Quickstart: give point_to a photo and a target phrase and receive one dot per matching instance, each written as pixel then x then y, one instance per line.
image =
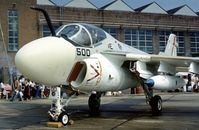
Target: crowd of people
pixel 24 89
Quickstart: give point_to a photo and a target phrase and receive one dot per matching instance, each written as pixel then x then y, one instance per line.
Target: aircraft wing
pixel 174 60
pixel 148 58
pixel 167 63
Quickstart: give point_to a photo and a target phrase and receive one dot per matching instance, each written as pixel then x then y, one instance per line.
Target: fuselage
pixel 50 60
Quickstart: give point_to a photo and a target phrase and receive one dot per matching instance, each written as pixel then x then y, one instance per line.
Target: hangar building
pixel 146 27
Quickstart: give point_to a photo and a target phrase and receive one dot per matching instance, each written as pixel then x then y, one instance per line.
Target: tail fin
pixel 171 47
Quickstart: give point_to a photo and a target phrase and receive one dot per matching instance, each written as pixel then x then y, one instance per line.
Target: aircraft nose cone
pixel 46 60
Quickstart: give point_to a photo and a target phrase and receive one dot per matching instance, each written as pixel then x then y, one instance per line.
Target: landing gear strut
pixel 154 101
pixel 94 103
pixel 57 111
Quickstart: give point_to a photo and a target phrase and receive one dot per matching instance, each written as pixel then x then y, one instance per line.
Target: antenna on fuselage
pixel 52 30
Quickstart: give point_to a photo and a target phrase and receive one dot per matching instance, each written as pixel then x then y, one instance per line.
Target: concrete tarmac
pixel 125 112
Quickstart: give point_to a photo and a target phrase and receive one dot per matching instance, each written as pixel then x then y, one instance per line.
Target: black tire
pixel 156 105
pixel 63 118
pixel 94 104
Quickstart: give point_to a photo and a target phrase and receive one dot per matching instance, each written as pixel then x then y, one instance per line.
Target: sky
pixel 165 4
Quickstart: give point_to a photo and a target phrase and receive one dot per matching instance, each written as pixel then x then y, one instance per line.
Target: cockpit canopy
pixel 84 35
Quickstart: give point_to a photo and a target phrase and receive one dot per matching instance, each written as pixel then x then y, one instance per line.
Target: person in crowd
pixel 26 89
pixel 32 89
pixel 16 92
pixel 1 89
pixel 188 82
pixel 196 80
pixel 42 88
pixel 27 95
pixel 46 91
pixel 38 91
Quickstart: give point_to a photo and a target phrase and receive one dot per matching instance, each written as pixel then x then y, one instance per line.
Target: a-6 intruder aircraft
pixel 86 58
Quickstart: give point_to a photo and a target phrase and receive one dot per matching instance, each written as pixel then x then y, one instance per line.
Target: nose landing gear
pixel 57 111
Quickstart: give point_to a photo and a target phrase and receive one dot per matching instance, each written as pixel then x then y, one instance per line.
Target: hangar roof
pixel 44 2
pixel 119 5
pixel 151 8
pixel 58 2
pixel 82 4
pixel 182 10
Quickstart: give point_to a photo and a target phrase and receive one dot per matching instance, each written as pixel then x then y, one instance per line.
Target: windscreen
pixel 96 33
pixel 77 34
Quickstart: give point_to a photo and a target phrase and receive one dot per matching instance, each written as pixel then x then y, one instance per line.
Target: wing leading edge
pixel 178 61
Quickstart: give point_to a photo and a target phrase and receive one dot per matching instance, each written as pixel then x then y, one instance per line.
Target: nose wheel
pixel 63 118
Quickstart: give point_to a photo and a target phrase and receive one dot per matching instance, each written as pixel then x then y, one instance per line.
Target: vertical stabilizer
pixel 171 47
